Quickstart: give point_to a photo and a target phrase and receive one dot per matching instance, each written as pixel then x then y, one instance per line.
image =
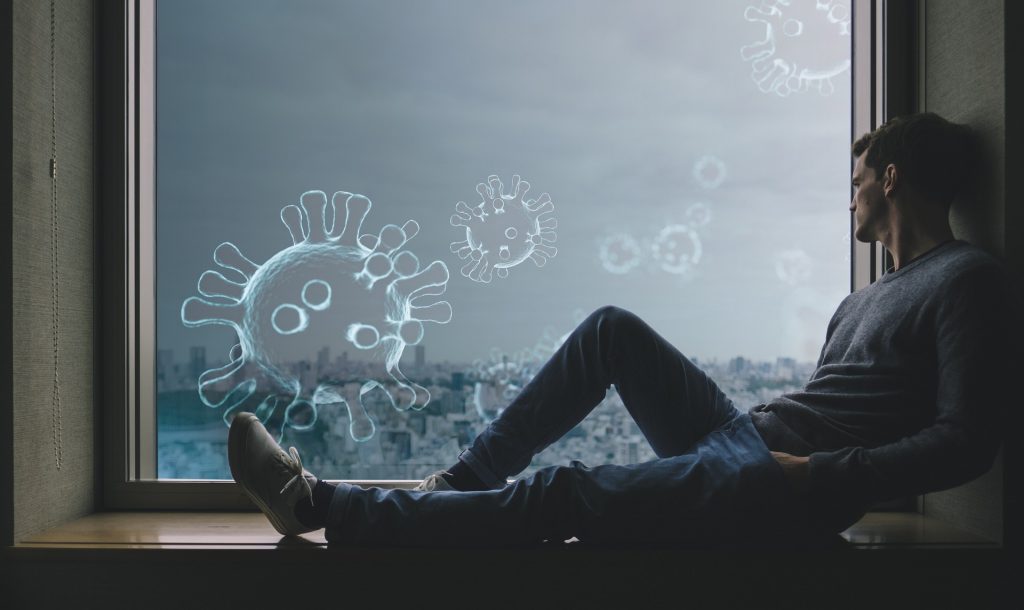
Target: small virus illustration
pixel 793 266
pixel 676 248
pixel 620 253
pixel 333 284
pixel 499 381
pixel 846 245
pixel 698 215
pixel 795 29
pixel 709 171
pixel 504 229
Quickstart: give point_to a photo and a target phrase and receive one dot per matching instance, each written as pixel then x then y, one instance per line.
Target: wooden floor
pixel 252 530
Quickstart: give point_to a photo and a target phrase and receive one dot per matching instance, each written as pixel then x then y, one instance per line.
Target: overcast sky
pixel 604 105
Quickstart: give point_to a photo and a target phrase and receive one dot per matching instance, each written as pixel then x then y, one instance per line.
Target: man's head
pixel 914 166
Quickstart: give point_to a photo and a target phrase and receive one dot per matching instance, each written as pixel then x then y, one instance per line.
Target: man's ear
pixel 889 179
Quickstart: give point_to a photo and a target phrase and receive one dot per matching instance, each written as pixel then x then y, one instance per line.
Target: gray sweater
pixel 911 387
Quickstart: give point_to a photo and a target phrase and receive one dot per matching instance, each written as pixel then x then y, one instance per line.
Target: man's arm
pixel 975 330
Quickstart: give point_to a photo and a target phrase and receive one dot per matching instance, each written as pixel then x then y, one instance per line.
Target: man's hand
pixel 797 470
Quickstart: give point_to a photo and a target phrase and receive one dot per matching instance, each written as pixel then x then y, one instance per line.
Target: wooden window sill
pixel 210 530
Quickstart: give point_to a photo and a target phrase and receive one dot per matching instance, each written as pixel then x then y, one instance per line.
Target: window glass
pixel 491 172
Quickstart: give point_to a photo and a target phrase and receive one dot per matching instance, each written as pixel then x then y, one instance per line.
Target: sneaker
pixel 435 482
pixel 275 480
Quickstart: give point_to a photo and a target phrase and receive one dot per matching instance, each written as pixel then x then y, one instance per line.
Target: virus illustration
pixel 333 284
pixel 498 380
pixel 795 29
pixel 504 229
pixel 793 266
pixel 709 171
pixel 698 214
pixel 677 248
pixel 620 253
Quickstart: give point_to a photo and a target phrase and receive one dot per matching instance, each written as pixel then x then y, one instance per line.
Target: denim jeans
pixel 714 482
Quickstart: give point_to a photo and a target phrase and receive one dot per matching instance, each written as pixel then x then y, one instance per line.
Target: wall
pixel 45 493
pixel 963 65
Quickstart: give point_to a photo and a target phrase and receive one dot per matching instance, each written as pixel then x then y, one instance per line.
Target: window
pixel 680 147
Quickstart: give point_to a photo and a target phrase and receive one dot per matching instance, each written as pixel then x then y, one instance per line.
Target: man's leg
pixel 672 401
pixel 727 490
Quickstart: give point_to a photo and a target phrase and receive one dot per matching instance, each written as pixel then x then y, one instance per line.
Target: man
pixel 907 398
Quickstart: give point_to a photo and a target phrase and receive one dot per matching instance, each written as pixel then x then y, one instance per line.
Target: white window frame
pixel 127 239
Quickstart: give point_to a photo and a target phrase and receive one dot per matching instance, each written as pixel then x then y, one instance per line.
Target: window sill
pixel 250 530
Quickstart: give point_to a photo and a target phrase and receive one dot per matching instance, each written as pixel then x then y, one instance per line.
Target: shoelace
pixel 295 466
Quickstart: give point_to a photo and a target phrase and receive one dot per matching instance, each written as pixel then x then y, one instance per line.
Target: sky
pixel 606 106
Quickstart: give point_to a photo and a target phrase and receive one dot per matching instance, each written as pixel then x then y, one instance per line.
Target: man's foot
pixel 275 480
pixel 435 482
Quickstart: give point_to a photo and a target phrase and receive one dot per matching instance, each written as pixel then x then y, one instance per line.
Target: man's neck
pixel 911 235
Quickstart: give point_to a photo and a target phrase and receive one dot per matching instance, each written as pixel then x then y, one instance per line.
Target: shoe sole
pixel 237 435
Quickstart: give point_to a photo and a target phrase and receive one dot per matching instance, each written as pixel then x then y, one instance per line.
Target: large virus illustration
pixel 794 30
pixel 504 229
pixel 334 284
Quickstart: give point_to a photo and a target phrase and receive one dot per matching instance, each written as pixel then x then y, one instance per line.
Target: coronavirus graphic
pixel 334 284
pixel 498 380
pixel 698 215
pixel 677 248
pixel 504 229
pixel 795 30
pixel 620 253
pixel 709 171
pixel 793 266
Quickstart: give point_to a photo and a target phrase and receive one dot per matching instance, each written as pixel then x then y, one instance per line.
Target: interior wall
pixel 962 72
pixel 54 448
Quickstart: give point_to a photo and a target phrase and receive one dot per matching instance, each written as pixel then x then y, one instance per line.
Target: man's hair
pixel 936 157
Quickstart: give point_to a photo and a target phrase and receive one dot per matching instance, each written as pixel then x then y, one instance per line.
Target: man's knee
pixel 617 318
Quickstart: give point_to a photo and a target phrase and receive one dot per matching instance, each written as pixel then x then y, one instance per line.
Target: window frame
pixel 881 87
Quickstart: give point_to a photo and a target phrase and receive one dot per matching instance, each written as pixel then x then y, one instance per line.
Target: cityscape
pixel 408 445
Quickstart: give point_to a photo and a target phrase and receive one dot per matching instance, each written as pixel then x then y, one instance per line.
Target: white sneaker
pixel 275 480
pixel 434 482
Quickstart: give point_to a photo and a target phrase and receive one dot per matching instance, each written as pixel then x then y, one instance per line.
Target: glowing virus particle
pixel 333 284
pixel 709 171
pixel 499 379
pixel 698 215
pixel 846 245
pixel 793 266
pixel 504 229
pixel 795 29
pixel 620 253
pixel 676 248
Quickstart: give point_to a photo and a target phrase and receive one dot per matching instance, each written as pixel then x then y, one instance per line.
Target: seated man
pixel 907 398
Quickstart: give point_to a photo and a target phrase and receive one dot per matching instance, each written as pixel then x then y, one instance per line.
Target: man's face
pixel 868 204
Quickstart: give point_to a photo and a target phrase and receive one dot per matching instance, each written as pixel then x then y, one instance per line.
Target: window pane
pixel 695 157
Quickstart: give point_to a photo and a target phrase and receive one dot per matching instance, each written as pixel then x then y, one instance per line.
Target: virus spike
pixel 462 214
pixel 300 415
pixel 411 395
pixel 314 203
pixel 291 216
pixel 227 256
pixel 213 284
pixel 356 209
pixel 406 264
pixel 390 239
pixel 440 312
pixel 462 248
pixel 549 223
pixel 228 385
pixel 538 258
pixel 199 312
pixel 361 427
pixel 547 251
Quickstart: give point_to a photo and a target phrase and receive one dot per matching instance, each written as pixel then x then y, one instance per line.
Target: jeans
pixel 714 482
